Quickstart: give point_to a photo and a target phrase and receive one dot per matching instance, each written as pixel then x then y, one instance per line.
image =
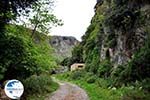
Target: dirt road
pixel 68 91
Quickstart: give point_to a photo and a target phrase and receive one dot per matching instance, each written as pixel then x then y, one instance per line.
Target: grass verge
pixel 39 87
pixel 96 92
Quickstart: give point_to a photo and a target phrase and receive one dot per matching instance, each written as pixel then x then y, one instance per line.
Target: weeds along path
pixel 68 91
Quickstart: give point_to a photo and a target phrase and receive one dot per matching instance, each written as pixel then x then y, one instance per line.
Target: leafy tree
pixel 14 59
pixel 65 62
pixel 41 18
pixel 77 54
pixel 12 50
pixel 9 9
pixel 21 56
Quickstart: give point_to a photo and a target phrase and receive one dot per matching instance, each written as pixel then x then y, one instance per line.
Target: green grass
pixel 54 86
pixel 39 87
pixel 96 92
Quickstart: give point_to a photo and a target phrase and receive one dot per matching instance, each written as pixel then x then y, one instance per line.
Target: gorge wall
pixel 124 29
pixel 118 30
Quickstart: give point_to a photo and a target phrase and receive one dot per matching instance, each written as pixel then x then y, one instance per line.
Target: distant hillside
pixel 63 45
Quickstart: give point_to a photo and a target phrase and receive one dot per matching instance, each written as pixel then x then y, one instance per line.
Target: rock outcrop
pixel 63 45
pixel 126 34
pixel 118 30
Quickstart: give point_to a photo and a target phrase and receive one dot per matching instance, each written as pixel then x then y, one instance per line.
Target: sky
pixel 76 16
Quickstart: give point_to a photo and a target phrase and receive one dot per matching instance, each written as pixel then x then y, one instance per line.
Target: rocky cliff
pixel 124 29
pixel 63 45
pixel 118 32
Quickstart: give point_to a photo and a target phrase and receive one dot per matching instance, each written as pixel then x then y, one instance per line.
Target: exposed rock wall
pixel 126 42
pixel 63 45
pixel 118 30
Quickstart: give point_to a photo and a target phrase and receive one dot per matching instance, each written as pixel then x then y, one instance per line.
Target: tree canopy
pixel 9 9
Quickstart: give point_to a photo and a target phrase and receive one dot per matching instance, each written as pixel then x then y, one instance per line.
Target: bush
pixel 92 59
pixel 104 83
pixel 66 75
pixel 21 56
pixel 91 79
pixel 104 69
pixel 88 74
pixel 137 69
pixel 77 74
pixel 14 59
pixel 135 95
pixel 39 84
pixel 140 66
pixel 146 84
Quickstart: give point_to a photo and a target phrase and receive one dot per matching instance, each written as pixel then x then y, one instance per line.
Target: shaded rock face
pixel 126 45
pixel 116 32
pixel 63 45
pixel 127 42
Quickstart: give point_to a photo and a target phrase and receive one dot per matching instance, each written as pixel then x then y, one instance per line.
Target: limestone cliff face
pixel 126 45
pixel 118 30
pixel 121 42
pixel 63 45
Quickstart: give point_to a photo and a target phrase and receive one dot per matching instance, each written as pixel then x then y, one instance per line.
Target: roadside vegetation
pixel 116 62
pixel 102 89
pixel 27 59
pixel 119 28
pixel 39 87
pixel 25 53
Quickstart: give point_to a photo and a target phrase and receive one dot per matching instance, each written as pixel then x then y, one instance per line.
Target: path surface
pixel 68 91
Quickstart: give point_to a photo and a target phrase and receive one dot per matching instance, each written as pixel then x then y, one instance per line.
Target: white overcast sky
pixel 76 15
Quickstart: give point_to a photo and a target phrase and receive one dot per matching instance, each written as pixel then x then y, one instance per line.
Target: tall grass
pixel 101 89
pixel 38 86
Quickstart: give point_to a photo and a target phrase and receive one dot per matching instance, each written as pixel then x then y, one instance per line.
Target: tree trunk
pixel 34 30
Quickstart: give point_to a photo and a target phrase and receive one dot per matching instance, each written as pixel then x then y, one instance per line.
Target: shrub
pixel 140 66
pixel 22 56
pixel 135 95
pixel 15 58
pixel 92 59
pixel 66 75
pixel 103 82
pixel 146 84
pixel 88 74
pixel 104 69
pixel 137 69
pixel 91 79
pixel 77 74
pixel 39 84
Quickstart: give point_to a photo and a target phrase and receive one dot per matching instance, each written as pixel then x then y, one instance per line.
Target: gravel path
pixel 68 91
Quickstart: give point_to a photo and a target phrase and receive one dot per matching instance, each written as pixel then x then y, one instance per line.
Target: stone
pixel 63 45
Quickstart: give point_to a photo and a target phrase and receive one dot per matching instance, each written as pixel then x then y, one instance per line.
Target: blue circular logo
pixel 14 89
